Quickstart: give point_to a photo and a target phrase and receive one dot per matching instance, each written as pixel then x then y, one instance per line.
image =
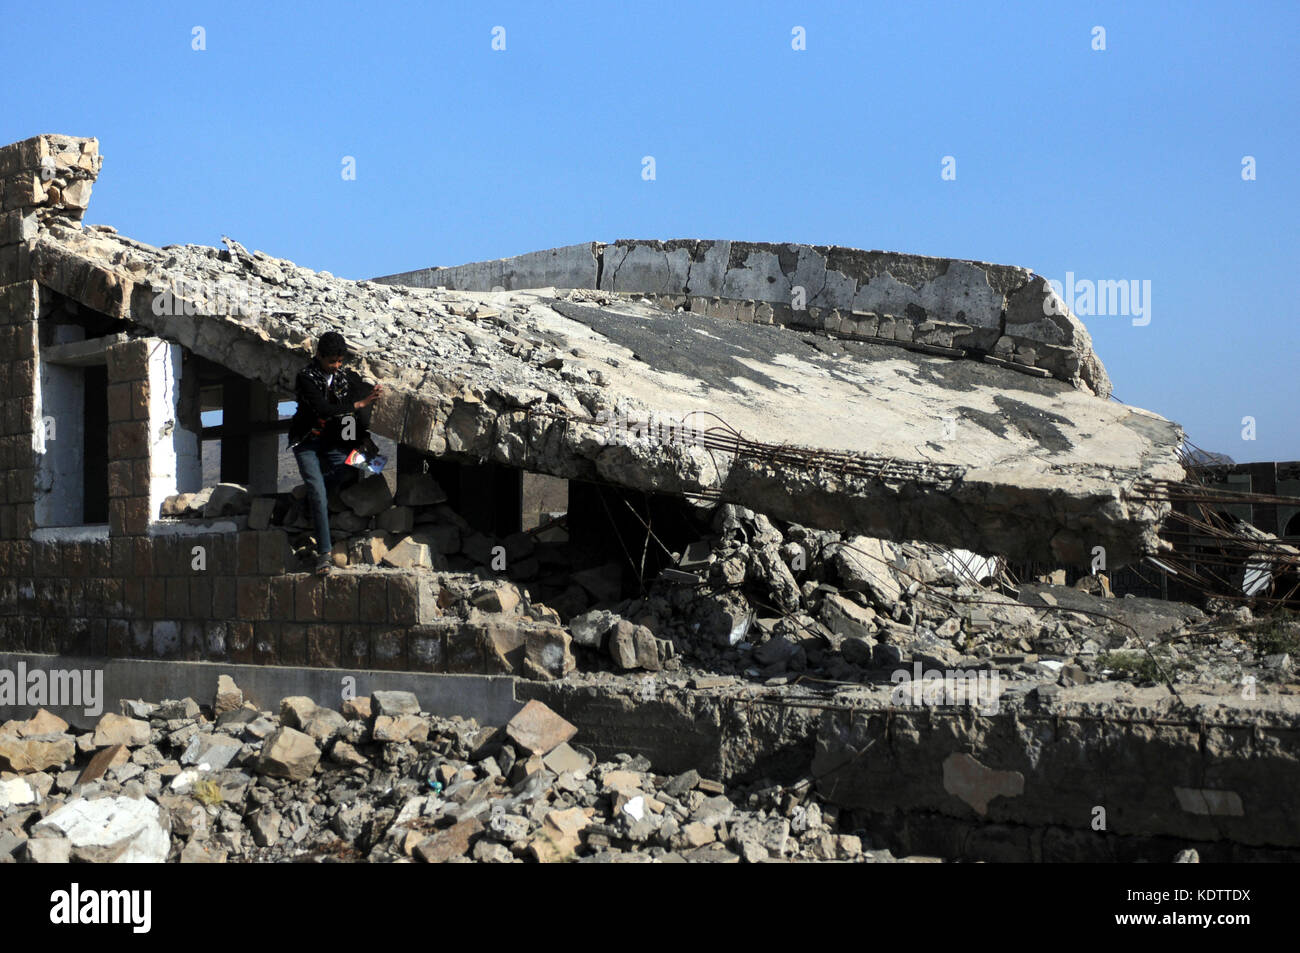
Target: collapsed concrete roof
pixel 959 409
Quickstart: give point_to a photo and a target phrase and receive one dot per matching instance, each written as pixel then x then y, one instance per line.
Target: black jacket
pixel 322 408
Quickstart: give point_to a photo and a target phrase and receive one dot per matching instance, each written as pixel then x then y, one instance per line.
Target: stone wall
pixel 145 589
pixel 999 313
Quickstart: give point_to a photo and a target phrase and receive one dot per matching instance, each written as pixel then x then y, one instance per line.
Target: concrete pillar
pixel 173 450
pixel 264 441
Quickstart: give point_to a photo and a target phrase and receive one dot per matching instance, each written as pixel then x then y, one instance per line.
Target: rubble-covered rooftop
pixel 844 430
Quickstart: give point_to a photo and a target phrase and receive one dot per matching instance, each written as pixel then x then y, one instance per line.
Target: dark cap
pixel 331 344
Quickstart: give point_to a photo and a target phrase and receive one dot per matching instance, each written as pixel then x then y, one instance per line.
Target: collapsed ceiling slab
pixel 853 434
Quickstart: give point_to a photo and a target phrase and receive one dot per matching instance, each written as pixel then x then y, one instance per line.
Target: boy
pixel 333 415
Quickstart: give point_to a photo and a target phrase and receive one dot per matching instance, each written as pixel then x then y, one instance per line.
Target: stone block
pixel 408 554
pixel 394 703
pixel 323 646
pixel 309 598
pixel 548 653
pixel 341 598
pixel 368 549
pixel 227 499
pixel 372 594
pixel 240 642
pixel 113 729
pixel 418 489
pixel 129 361
pixel 388 649
pixel 450 843
pixel 228 696
pixel 389 415
pixel 273 552
pixel 119 402
pixel 260 511
pixel 281 598
pixel 396 519
pixel 253 599
pixel 178 597
pixel 128 440
pixel 293 644
pixel 288 753
pixel 368 497
pixel 536 729
pixel 224 597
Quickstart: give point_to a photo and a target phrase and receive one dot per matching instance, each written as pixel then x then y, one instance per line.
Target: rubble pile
pixel 372 526
pixel 772 602
pixel 382 782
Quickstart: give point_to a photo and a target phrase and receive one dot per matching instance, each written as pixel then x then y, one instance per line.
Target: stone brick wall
pixel 144 597
pixel 143 591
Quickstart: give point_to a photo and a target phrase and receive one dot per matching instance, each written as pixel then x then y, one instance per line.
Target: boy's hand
pixel 370 398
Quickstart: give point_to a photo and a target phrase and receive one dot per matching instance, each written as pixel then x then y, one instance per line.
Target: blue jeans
pixel 322 469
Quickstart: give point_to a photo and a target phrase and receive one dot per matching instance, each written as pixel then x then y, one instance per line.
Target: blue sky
pixel 1117 164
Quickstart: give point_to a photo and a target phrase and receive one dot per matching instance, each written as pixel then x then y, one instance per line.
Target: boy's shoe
pixel 324 564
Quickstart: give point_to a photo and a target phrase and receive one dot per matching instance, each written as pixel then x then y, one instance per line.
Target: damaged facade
pixel 763 461
pixel 964 408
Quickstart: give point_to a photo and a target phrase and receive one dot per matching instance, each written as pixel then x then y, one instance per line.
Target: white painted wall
pixel 59 442
pixel 174 464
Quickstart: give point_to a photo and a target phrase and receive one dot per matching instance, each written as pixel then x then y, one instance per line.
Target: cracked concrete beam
pixel 1000 306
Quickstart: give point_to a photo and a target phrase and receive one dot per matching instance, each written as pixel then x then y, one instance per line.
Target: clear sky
pixel 1117 164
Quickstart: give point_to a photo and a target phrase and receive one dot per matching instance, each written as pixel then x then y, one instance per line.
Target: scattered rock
pixel 538 730
pixel 288 753
pixel 110 830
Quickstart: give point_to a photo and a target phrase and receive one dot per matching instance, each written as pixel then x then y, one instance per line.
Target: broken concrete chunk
pixel 863 565
pixel 846 618
pixel 564 758
pixel 228 696
pixel 538 730
pixel 394 703
pixel 103 761
pixel 120 730
pixel 49 850
pixel 408 554
pixel 388 728
pixel 368 497
pixel 42 723
pixel 17 792
pixel 216 751
pixel 119 830
pixel 418 489
pixel 622 645
pixel 227 499
pixel 591 628
pixel 560 835
pixel 288 753
pixel 398 519
pixel 455 841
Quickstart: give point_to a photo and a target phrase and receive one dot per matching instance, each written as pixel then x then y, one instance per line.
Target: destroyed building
pixel 766 460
